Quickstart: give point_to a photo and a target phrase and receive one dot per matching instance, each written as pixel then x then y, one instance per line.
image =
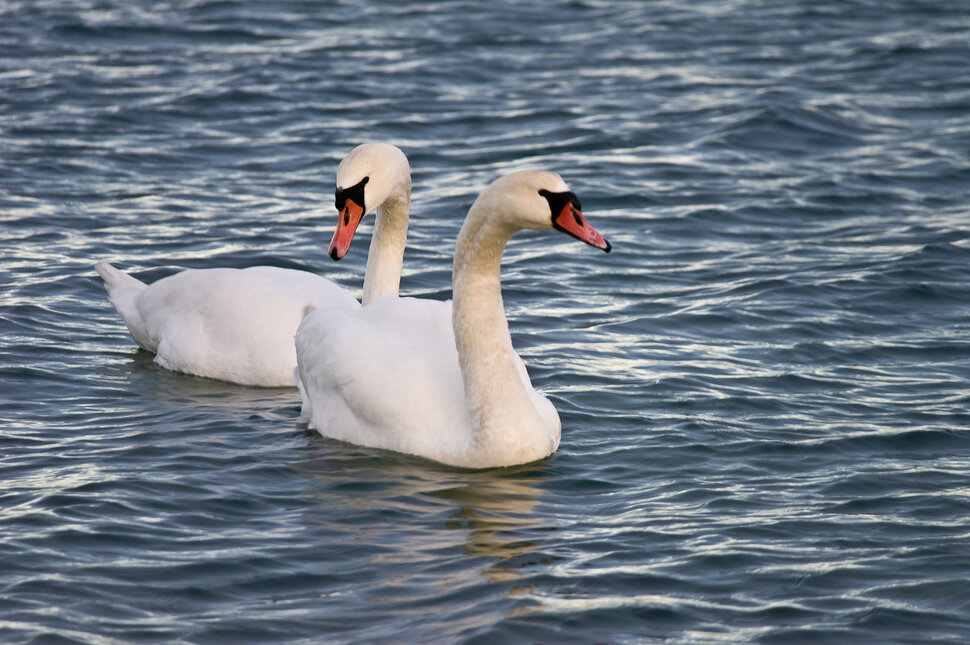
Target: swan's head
pixel 541 200
pixel 370 175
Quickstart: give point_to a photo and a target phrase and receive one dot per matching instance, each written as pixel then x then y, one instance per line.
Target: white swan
pixel 238 324
pixel 436 379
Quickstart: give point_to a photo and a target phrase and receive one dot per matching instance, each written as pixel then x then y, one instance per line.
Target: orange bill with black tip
pixel 350 203
pixel 350 217
pixel 567 216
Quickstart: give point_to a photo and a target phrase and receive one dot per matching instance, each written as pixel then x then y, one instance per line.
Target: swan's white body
pixel 229 324
pixel 412 397
pixel 437 379
pixel 238 325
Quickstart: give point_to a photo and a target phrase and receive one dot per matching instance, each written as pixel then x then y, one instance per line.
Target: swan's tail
pixel 123 289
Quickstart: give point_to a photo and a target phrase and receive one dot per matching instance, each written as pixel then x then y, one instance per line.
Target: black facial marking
pixel 559 201
pixel 355 194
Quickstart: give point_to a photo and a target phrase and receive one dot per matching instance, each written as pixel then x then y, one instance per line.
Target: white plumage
pixel 229 324
pixel 437 379
pixel 238 324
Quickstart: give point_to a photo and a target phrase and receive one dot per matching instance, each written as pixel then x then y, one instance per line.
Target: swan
pixel 436 379
pixel 238 325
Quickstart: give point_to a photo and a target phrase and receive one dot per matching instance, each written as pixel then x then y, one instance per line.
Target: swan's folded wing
pixel 234 325
pixel 385 376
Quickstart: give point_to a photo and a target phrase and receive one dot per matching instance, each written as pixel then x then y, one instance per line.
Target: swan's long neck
pixel 504 417
pixel 386 255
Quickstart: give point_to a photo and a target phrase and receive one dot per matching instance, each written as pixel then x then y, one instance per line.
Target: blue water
pixel 765 388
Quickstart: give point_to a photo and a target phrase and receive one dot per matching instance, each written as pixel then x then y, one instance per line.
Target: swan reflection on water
pixel 498 514
pixel 140 377
pixel 437 518
pixel 407 528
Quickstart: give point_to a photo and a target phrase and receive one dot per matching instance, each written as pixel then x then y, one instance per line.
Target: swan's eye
pixel 355 194
pixel 559 201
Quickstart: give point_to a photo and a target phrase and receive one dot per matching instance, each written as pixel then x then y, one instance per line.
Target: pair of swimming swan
pixel 435 379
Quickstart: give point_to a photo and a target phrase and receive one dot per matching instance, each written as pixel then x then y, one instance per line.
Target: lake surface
pixel 764 388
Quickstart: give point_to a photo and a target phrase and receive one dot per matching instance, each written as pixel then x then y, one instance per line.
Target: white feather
pixel 238 324
pixel 436 379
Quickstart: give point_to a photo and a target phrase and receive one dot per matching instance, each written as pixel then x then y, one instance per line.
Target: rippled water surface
pixel 765 388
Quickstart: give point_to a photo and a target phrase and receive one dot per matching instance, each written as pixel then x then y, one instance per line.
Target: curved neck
pixel 500 406
pixel 386 256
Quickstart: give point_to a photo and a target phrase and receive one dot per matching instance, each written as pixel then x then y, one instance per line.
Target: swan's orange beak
pixel 350 217
pixel 570 220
